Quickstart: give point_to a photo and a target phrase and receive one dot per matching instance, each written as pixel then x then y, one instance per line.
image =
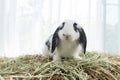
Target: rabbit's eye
pixel 63 34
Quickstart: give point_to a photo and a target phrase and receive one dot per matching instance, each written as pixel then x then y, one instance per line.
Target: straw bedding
pixel 92 66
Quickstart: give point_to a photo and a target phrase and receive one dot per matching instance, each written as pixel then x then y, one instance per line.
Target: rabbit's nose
pixel 66 36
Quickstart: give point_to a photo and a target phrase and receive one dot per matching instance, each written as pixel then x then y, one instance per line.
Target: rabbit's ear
pixel 55 39
pixel 82 39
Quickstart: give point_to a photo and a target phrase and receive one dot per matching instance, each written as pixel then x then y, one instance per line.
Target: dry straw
pixel 92 66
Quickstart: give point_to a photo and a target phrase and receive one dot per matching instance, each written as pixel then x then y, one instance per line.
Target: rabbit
pixel 68 40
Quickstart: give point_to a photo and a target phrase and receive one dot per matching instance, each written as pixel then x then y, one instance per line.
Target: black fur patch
pixel 75 27
pixel 55 39
pixel 63 23
pixel 83 39
pixel 48 44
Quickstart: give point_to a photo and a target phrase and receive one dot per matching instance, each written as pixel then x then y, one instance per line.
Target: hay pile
pixel 93 66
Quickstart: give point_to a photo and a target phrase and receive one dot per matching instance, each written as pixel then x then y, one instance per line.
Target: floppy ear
pixel 55 39
pixel 82 39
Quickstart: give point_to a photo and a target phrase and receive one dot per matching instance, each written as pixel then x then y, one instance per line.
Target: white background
pixel 26 24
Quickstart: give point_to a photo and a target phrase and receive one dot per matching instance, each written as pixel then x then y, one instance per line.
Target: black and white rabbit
pixel 67 41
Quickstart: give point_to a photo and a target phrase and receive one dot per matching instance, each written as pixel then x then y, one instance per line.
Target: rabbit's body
pixel 67 48
pixel 68 40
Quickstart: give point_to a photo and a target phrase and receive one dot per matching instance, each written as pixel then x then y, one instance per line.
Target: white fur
pixel 67 49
